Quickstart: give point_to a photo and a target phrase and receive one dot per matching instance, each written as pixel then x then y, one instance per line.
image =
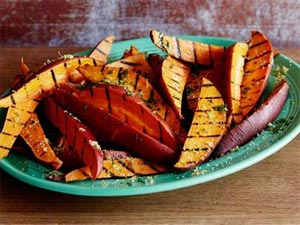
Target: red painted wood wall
pixel 84 22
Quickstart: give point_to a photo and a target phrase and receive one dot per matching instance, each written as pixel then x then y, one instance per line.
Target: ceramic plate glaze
pixel 254 151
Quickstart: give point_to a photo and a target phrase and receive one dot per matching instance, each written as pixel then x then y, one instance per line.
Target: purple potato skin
pixel 256 122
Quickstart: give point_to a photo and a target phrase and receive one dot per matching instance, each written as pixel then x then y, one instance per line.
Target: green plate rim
pixel 183 182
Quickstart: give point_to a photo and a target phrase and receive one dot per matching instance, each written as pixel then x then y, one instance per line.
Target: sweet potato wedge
pixel 137 62
pixel 122 167
pixel 43 84
pixel 257 68
pixel 174 76
pixel 234 67
pixel 34 136
pixel 16 118
pixel 102 49
pixel 256 122
pixel 189 51
pixel 77 135
pixel 139 85
pixel 129 109
pixel 207 128
pixel 109 129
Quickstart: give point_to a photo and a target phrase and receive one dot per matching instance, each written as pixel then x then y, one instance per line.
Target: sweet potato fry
pixel 207 129
pixel 257 69
pixel 102 49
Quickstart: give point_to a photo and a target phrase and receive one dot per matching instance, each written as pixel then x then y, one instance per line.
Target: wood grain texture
pixel 266 193
pixel 84 22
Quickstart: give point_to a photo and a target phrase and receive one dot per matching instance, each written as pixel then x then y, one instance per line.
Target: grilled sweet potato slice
pixel 45 82
pixel 256 122
pixel 137 62
pixel 77 135
pixel 120 166
pixel 139 85
pixel 33 134
pixel 102 49
pixel 110 129
pixel 207 128
pixel 257 68
pixel 129 109
pixel 234 66
pixel 189 51
pixel 174 76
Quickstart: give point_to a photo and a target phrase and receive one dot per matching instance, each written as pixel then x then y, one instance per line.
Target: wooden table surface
pixel 266 193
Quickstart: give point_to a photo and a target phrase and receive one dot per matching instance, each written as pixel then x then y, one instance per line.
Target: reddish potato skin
pixel 129 109
pixel 256 122
pixel 108 128
pixel 77 135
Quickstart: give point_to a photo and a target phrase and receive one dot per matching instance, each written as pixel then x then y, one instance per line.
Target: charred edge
pixel 120 164
pixel 9 134
pixel 120 72
pixel 258 56
pixel 108 98
pixel 235 99
pixel 208 148
pixel 210 97
pixel 130 63
pixel 171 87
pixel 166 113
pixel 125 166
pixel 12 99
pixel 94 62
pixel 175 97
pixel 100 51
pixel 65 65
pixel 175 81
pixel 204 136
pixel 16 122
pixel 195 53
pixel 258 44
pixel 4 147
pixel 207 85
pixel 160 40
pixel 110 174
pixel 209 123
pixel 53 78
pixel 79 61
pixel 178 48
pixel 260 67
pixel 259 80
pixel 107 41
pixel 137 78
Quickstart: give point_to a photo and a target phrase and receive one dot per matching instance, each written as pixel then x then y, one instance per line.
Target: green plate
pixel 254 151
